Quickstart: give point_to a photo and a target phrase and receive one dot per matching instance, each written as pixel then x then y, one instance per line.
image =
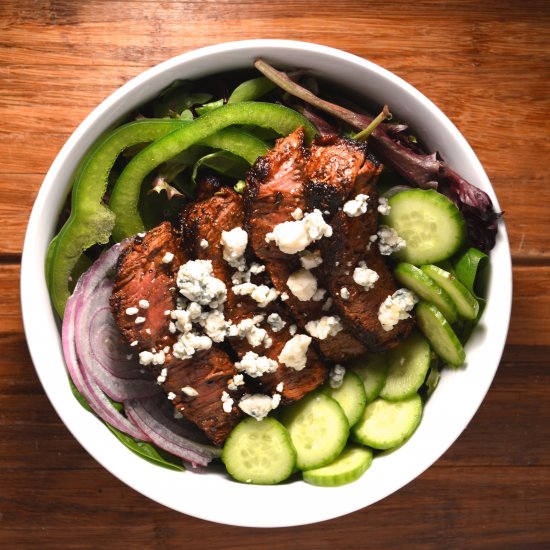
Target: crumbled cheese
pixel 328 304
pixel 227 402
pixel 356 206
pixel 324 327
pixel 235 382
pixel 134 343
pixel 189 391
pixel 383 207
pixel 292 329
pixel 298 214
pixel 234 245
pixel 395 308
pixel 254 335
pixel 140 320
pixel 258 405
pixel 279 387
pixel 204 244
pixel 344 292
pixel 256 365
pixel 167 311
pixel 311 259
pixel 276 322
pixel 293 354
pixel 149 358
pixel 215 326
pixel 262 294
pixel 302 284
pixel 132 311
pixel 171 396
pixel 167 258
pixel 295 236
pixel 364 276
pixel 390 241
pixel 319 294
pixel 196 283
pixel 162 376
pixel 285 296
pixel 188 343
pixel 143 304
pixel 336 376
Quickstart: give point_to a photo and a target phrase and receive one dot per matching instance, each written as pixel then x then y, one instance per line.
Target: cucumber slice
pixel 351 396
pixel 415 279
pixel 387 424
pixel 465 302
pixel 408 366
pixel 440 334
pixel 352 463
pixel 372 369
pixel 318 429
pixel 259 452
pixel 430 223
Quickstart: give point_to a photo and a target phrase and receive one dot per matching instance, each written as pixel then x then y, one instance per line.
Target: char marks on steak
pixel 276 186
pixel 143 275
pixel 206 219
pixel 350 244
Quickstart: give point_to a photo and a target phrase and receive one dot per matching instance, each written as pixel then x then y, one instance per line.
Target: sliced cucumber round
pixel 318 429
pixel 431 225
pixel 259 452
pixel 415 279
pixel 387 424
pixel 372 369
pixel 351 396
pixel 465 302
pixel 408 366
pixel 439 333
pixel 352 463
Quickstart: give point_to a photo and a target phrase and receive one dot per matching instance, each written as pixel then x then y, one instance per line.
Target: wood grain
pixel 485 64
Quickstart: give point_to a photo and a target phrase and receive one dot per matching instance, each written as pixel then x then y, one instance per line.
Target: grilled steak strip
pixel 275 188
pixel 350 245
pixel 143 275
pixel 205 220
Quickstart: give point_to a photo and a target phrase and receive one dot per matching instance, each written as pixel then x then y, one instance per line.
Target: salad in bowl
pixel 270 274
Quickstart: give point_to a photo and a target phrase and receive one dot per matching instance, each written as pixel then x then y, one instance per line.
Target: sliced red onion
pixel 167 435
pixel 97 400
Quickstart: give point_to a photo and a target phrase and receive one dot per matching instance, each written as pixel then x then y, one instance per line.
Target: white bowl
pixel 213 496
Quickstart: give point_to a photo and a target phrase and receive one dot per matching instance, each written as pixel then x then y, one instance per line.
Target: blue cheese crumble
pixel 357 206
pixel 256 365
pixel 396 308
pixel 389 241
pixel 259 405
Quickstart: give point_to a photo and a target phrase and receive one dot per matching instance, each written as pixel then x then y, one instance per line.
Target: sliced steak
pixel 350 244
pixel 145 272
pixel 205 221
pixel 275 189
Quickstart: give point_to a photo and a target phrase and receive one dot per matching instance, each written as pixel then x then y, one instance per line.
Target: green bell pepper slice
pixel 125 196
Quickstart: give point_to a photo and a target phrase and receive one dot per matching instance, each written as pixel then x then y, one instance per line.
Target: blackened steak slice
pixel 144 273
pixel 204 222
pixel 275 188
pixel 350 244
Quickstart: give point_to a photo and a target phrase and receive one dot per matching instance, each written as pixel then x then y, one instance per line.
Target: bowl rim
pixel 37 313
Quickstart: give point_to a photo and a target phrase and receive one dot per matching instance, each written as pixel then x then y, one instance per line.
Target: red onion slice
pixel 97 400
pixel 148 416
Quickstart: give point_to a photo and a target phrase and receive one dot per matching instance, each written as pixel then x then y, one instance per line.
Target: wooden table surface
pixel 484 62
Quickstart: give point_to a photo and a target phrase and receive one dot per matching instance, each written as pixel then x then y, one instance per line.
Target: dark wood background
pixel 485 63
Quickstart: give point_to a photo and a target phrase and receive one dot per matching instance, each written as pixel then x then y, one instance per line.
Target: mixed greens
pixel 143 172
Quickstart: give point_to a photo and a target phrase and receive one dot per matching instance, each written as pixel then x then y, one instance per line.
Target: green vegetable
pixel 251 90
pixel 372 369
pixel 91 222
pixel 429 222
pixel 125 196
pixel 351 396
pixel 352 463
pixel 408 365
pixel 439 333
pixel 386 424
pixel 259 452
pixel 222 162
pixel 318 429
